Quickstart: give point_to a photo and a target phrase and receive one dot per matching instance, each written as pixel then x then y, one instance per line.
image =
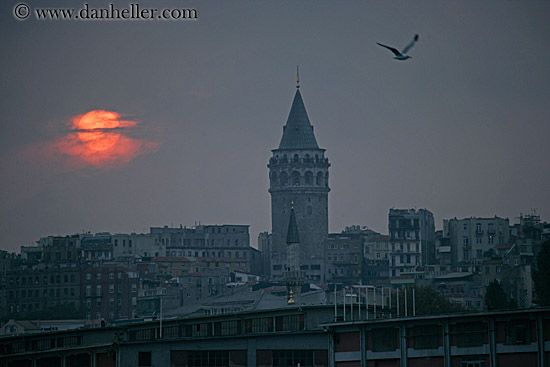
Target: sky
pixel 195 107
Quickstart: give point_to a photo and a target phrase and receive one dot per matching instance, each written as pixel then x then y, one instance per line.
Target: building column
pixel 403 344
pixel 251 352
pixel 331 355
pixel 540 340
pixel 492 342
pixel 363 345
pixel 446 344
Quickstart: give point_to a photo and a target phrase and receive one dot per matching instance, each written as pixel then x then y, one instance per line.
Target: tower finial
pixel 297 76
pixel 292 204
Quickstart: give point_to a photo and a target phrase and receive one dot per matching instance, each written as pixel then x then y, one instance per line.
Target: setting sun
pixel 100 139
pixel 94 129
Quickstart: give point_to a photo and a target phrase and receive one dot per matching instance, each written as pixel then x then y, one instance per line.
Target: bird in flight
pixel 403 54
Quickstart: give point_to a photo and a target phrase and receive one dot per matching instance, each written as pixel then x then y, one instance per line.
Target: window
pixel 470 334
pixel 98 290
pixel 384 339
pixel 518 332
pixel 426 336
pixel 208 358
pixel 293 358
pixel 144 359
pixel 296 178
pixel 88 290
pixel 289 323
pixel 111 288
pixel 472 361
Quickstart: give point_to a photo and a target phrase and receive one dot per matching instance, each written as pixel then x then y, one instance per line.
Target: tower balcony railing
pixel 306 162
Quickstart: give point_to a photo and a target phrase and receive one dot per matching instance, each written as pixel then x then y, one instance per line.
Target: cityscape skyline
pixel 466 136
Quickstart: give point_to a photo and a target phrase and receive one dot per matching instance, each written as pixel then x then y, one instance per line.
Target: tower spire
pixel 297 76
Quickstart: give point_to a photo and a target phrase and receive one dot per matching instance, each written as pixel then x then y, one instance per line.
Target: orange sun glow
pixel 94 129
pixel 99 139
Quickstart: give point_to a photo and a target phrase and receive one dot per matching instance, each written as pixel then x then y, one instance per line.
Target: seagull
pixel 401 55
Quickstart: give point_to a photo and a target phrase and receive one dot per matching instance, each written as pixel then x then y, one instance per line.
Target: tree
pixel 428 301
pixel 541 274
pixel 495 297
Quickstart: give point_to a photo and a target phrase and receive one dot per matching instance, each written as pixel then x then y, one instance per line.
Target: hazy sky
pixel 461 129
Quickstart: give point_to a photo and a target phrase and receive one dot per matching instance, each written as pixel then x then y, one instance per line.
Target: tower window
pixel 319 180
pixel 284 179
pixel 296 178
pixel 308 178
pixel 296 158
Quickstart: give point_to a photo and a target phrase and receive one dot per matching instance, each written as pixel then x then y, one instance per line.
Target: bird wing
pixel 395 51
pixel 410 45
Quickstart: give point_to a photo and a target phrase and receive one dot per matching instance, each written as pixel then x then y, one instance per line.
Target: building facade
pixel 472 238
pixel 298 174
pixel 42 289
pixel 344 258
pixel 109 292
pixel 412 239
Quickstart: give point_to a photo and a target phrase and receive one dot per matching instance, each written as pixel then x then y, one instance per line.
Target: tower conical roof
pixel 298 132
pixel 292 233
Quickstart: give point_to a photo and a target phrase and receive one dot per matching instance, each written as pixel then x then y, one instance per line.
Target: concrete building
pixel 140 244
pixel 344 258
pixel 376 246
pixel 503 339
pixel 298 172
pixel 472 238
pixel 210 241
pixel 307 336
pixel 265 245
pixel 42 289
pixel 60 249
pixel 412 239
pixel 96 248
pixel 109 292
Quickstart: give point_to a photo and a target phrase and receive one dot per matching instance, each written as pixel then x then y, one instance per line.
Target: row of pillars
pixel 381 300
